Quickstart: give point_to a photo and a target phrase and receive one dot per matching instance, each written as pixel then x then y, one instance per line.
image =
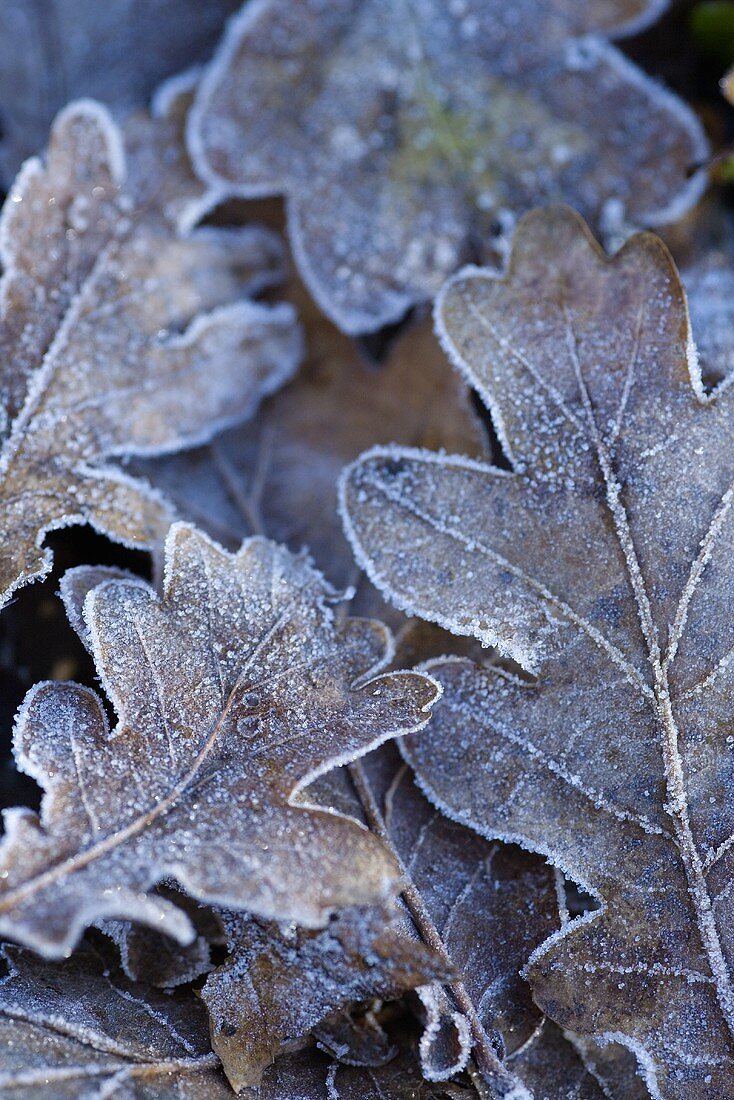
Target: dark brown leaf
pixel 279 985
pixel 233 690
pixel 153 957
pixel 553 1070
pixel 79 1028
pixel 603 564
pixel 484 905
pixel 311 1075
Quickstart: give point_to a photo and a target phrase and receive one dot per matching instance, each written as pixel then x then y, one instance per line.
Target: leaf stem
pixel 489 1070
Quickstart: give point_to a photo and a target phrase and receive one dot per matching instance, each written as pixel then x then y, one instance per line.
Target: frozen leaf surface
pixel 492 904
pixel 232 691
pixel 613 1066
pixel 709 287
pixel 118 336
pixel 118 52
pixel 78 1029
pixel 552 1069
pixel 602 563
pixel 405 135
pixel 280 984
pixel 277 474
pixel 483 905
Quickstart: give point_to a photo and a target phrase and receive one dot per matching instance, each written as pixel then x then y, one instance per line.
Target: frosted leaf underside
pixel 602 563
pixel 408 135
pixel 118 334
pixel 232 690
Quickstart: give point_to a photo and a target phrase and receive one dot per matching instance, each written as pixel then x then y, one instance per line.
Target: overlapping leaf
pixel 149 955
pixel 280 984
pixel 79 1029
pixel 232 690
pixel 277 474
pixel 602 562
pixel 484 906
pixel 405 134
pixel 117 335
pixel 311 1075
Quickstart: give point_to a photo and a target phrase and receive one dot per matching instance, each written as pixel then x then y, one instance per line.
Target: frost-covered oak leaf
pixel 408 136
pixel 118 336
pixel 280 983
pixel 601 562
pixel 79 1028
pixel 148 955
pixel 233 689
pixel 482 905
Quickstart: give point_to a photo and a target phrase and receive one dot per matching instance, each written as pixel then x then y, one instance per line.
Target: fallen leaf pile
pixel 366 531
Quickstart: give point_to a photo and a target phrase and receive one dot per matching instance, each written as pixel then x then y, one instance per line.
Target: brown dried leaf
pixel 405 135
pixel 79 1028
pixel 118 336
pixel 553 1070
pixel 614 1067
pixel 602 563
pixel 153 957
pixel 485 906
pixel 233 690
pixel 277 475
pixel 280 984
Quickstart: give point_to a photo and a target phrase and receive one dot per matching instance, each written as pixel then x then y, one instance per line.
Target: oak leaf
pixel 602 563
pixel 552 1070
pixel 312 1075
pixel 118 336
pixel 233 690
pixel 404 135
pixel 483 905
pixel 280 984
pixel 79 1028
pixel 148 955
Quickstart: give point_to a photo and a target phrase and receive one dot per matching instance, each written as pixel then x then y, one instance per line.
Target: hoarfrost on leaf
pixel 118 335
pixel 79 1028
pixel 311 1075
pixel 279 984
pixel 602 563
pixel 483 906
pixel 233 690
pixel 408 136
